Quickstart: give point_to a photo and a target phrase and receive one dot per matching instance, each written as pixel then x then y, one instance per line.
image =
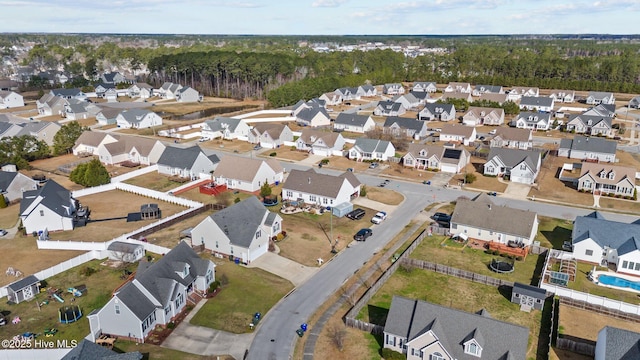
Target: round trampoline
pixel 270 202
pixel 501 266
pixel 69 314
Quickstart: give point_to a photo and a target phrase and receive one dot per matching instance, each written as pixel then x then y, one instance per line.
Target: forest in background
pixel 285 70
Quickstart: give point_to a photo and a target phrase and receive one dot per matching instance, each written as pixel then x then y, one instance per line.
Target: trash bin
pixel 303 326
pixel 237 260
pixel 300 332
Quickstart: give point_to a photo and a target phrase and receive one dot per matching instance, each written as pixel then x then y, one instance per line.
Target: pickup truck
pixel 379 217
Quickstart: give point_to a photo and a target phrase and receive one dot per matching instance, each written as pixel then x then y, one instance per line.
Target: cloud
pixel 328 3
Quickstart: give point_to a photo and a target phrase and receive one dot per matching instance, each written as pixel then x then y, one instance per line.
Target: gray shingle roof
pixel 536 101
pixel 22 283
pixel 244 168
pixel 616 235
pixel 513 157
pixel 66 92
pixel 309 113
pixel 183 158
pixel 602 110
pixel 593 144
pixel 241 221
pixel 438 108
pixel 599 95
pixel 371 145
pixel 6 178
pixel 389 105
pixel 533 117
pixel 220 123
pixel 411 318
pixel 87 350
pixel 488 88
pixel 621 344
pixel 351 119
pixel 136 301
pixel 404 123
pixel 135 115
pixel 482 213
pixel 529 290
pixel 595 119
pixel 311 182
pixel 54 197
pixel 124 247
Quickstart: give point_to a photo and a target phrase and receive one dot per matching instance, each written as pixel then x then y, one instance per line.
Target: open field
pixel 482 182
pixel 553 232
pixel 572 322
pixel 384 196
pixel 407 173
pixel 99 285
pixel 248 291
pixel 153 181
pixel 286 153
pixel 28 105
pixel 460 294
pixel 358 345
pixel 342 163
pixel 436 249
pixel 176 108
pixel 111 206
pixel 236 146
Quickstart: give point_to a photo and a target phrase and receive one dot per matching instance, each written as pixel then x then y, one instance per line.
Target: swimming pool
pixel 619 282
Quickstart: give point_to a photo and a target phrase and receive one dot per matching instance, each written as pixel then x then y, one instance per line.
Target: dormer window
pixel 472 348
pixel 589 122
pixel 603 174
pixel 185 272
pixel 436 356
pixel 612 175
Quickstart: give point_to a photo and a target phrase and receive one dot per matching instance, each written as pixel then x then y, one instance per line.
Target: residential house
pixel 187 94
pixel 536 103
pixel 528 297
pixel 389 108
pixel 393 89
pixel 617 344
pixel 399 126
pixel 191 163
pixel 607 110
pixel 436 157
pixel 112 78
pixel 563 96
pixel 367 90
pixel 140 90
pixel 437 111
pixel 521 166
pixel 225 128
pixel 634 103
pixel 125 252
pixel 371 150
pixel 496 98
pixel 270 135
pixel 156 296
pixel 247 174
pixel 590 124
pixel 73 93
pixel 102 88
pixel 458 87
pixel 11 119
pixel 478 90
pixel 315 103
pixel 422 97
pixel 353 123
pixel 320 189
pixel 50 207
pixel 108 116
pixel 480 219
pixel 408 101
pixel 427 331
pixel 168 90
pixel 477 116
pixel 50 104
pixel 10 99
pixel 348 93
pixel 125 148
pixel 88 142
pixel 533 121
pixel 457 96
pixel 13 184
pixel 517 92
pixel 331 98
pixel 241 231
pixel 607 243
pixel 597 98
pixel 424 86
pixel 512 138
pixel 77 110
pixel 86 349
pixel 313 117
pixel 24 289
pixel 41 130
pixel 9 85
pixel 607 179
pixel 138 119
pixel 458 133
pixel 321 143
pixel 588 149
pixel 9 129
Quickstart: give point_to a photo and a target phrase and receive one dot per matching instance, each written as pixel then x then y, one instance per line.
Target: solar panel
pixel 452 153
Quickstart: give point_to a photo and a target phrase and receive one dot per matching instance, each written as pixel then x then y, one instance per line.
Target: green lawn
pixel 553 232
pixel 248 291
pixel 158 353
pixel 583 284
pixel 153 181
pixel 455 293
pixel 478 261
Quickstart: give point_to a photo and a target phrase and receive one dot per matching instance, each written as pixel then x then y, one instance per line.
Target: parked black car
pixel 441 217
pixel 362 235
pixel 356 214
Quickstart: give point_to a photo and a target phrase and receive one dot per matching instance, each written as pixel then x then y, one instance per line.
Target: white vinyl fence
pixel 592 299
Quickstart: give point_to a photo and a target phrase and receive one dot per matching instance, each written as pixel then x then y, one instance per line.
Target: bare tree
pixel 338 334
pixel 401 143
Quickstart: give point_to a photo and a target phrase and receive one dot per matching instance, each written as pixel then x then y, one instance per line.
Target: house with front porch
pixel 602 110
pixel 533 121
pixel 107 116
pixel 270 135
pixel 331 98
pixel 353 123
pixel 408 101
pixel 606 179
pixel 437 111
pixel 409 127
pixel 313 117
pixel 459 87
pixel 247 174
pixel 458 133
pixel 563 96
pixel 367 90
pixel 605 242
pixel 598 97
pixel 138 119
pixel 389 108
pixel 10 99
pixel 50 207
pixel 140 90
pixel 393 89
pixel 590 125
pixel 320 189
pixel 592 149
pixel 436 158
pixel 512 138
pixel 191 163
pixel 481 219
pixel 226 128
pixel 521 166
pixel 517 92
pixel 348 93
pixel 321 143
pixel 73 93
pixel 49 104
pixel 156 295
pixel 241 231
pixel 424 331
pixel 371 150
pixel 127 148
pixel 425 86
pixel 478 90
pixel 536 103
pixel 478 116
pixel 168 90
pixel 13 184
pixel 102 88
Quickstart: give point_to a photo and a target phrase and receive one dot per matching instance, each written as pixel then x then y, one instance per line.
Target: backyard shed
pixel 127 252
pixel 343 209
pixel 23 289
pixel 529 297
pixel 150 211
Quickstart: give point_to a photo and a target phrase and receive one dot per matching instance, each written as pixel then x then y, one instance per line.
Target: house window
pixel 289 194
pixel 523 167
pixel 167 310
pixel 258 233
pixel 231 249
pixel 631 264
pixel 625 264
pixel 117 307
pixel 312 198
pixel 637 266
pixel 473 349
pixel 479 232
pixel 408 162
pixel 217 244
pixel 454 226
pixel 41 212
pixel 588 252
pixel 436 356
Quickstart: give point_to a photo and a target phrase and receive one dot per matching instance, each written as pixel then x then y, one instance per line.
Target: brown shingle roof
pixel 309 136
pixel 310 182
pixel 515 134
pixel 620 172
pixel 91 138
pixel 243 168
pixel 457 129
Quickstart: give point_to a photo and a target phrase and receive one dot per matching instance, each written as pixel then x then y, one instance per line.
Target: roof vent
pixel 309 180
pixel 489 206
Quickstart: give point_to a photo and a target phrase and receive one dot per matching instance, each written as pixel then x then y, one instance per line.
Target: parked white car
pixel 379 217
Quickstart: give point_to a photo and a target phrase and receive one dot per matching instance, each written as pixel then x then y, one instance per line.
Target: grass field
pixel 286 153
pixel 154 352
pixel 407 173
pixel 572 322
pixel 153 181
pixel 384 196
pixel 553 232
pixel 248 291
pixel 482 182
pixel 9 216
pixel 582 283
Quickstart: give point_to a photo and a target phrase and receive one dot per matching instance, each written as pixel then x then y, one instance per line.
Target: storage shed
pixel 529 297
pixel 150 211
pixel 127 252
pixel 23 289
pixel 343 209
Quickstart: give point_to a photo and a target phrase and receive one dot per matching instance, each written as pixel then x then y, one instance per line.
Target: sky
pixel 322 17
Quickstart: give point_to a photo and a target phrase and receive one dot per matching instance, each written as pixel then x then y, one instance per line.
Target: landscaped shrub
pixel 469 178
pixel 87 271
pixel 389 354
pixel 273 154
pixel 581 190
pixel 171 325
pixel 214 285
pixel 324 161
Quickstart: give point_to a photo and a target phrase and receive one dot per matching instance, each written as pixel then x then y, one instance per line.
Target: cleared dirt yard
pixel 572 322
pixel 384 196
pixel 227 145
pixel 285 153
pixel 407 173
pixel 112 205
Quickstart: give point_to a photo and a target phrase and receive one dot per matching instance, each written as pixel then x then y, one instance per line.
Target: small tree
pixel 265 190
pixel 363 190
pixel 3 202
pixel 469 178
pixel 92 173
pixel 65 138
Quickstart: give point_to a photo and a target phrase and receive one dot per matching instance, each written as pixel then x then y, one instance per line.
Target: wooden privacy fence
pixel 576 345
pixel 462 274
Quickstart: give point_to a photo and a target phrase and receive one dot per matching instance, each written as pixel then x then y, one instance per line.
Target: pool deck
pixel 595 275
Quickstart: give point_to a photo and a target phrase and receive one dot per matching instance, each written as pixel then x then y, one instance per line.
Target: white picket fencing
pixel 592 299
pixel 132 174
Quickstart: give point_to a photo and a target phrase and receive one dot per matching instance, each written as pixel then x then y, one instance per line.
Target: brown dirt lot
pixel 286 153
pixel 153 181
pixel 234 146
pixel 108 205
pixel 170 237
pixel 384 196
pixel 177 108
pixel 407 173
pixel 572 322
pixel 342 163
pixel 9 216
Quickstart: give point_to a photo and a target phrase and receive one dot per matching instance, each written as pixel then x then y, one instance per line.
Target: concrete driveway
pixel 312 160
pixel 283 267
pixel 517 191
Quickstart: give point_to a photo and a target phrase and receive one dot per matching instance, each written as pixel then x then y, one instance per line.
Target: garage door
pixel 256 253
pixel 520 179
pixel 449 168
